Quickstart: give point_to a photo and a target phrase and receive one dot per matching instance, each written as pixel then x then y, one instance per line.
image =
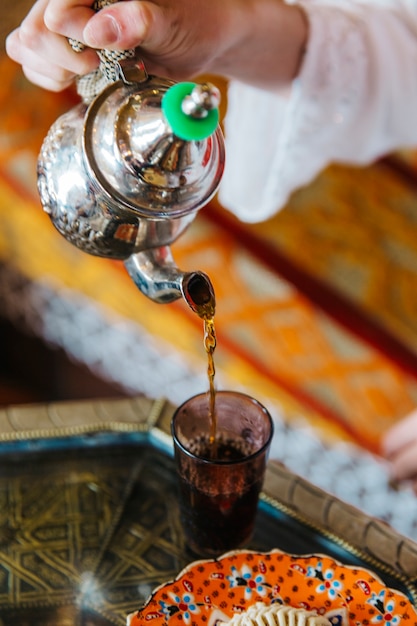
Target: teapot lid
pixel 192 110
pixel 155 146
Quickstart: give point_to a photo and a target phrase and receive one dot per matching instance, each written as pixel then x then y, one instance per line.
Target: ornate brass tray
pixel 89 521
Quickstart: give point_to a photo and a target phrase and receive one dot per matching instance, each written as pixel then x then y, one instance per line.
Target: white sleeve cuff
pixel 354 100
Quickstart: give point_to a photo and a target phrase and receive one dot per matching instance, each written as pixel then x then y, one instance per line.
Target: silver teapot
pixel 124 175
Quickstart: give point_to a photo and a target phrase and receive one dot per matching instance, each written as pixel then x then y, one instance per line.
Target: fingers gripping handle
pixel 191 110
pixel 90 85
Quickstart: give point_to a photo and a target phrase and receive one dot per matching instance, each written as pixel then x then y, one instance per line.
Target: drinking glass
pixel 220 477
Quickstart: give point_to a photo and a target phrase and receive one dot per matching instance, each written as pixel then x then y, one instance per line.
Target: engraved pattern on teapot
pixel 119 181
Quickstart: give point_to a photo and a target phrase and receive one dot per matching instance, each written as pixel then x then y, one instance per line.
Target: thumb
pixel 125 25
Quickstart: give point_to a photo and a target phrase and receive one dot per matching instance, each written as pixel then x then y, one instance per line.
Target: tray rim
pixel 33 426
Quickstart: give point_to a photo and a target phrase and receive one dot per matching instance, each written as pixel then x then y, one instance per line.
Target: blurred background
pixel 316 308
pixel 30 370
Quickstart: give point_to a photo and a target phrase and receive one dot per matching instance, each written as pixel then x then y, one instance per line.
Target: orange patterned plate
pixel 206 592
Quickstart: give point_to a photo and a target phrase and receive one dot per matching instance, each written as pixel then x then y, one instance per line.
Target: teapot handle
pixel 90 85
pixel 191 110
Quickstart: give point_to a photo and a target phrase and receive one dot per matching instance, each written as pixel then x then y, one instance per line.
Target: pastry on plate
pixel 260 614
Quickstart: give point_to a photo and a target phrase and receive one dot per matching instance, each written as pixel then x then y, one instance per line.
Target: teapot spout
pixel 156 275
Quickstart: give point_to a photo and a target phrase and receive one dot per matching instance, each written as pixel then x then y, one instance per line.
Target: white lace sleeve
pixel 354 100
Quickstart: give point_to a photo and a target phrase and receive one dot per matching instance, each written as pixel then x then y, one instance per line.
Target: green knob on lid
pixel 191 110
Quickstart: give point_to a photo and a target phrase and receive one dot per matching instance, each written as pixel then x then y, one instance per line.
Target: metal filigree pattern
pixel 88 530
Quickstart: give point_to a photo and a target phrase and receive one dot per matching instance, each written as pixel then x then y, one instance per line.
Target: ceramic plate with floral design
pixel 210 591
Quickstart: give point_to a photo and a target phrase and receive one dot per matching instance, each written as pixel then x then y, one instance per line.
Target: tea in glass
pixel 220 477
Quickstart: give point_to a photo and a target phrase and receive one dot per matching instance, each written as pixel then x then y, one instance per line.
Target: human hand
pixel 258 41
pixel 46 57
pixel 399 446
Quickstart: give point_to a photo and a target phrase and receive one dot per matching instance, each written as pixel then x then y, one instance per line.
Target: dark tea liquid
pixel 202 300
pixel 216 520
pixel 210 346
pixel 218 501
